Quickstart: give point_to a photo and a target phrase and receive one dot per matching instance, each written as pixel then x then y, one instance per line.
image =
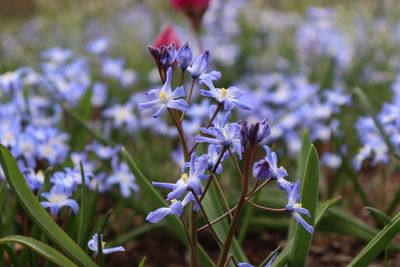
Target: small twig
pixel 218 219
pixel 236 164
pixel 188 235
pixel 221 192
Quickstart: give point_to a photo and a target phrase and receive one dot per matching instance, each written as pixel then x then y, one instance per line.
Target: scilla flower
pixel 94 246
pixel 57 198
pixel 267 168
pixel 187 181
pixel 175 208
pixel 184 56
pixel 294 206
pixel 226 137
pixel 165 98
pixel 228 97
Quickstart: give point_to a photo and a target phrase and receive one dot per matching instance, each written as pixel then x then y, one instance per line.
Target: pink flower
pixel 167 36
pixel 189 4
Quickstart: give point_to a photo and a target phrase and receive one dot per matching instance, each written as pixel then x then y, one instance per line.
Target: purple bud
pixel 254 134
pixel 200 65
pixel 155 53
pixel 168 55
pixel 185 56
pixel 262 170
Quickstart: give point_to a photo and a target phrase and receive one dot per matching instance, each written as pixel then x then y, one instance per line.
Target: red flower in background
pixel 184 4
pixel 167 37
pixel 193 9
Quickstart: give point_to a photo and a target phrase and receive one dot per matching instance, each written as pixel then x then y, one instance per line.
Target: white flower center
pixel 58 198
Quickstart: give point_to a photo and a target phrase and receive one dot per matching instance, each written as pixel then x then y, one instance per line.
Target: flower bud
pixel 167 37
pixel 185 56
pixel 168 55
pixel 262 170
pixel 193 9
pixel 200 65
pixel 254 134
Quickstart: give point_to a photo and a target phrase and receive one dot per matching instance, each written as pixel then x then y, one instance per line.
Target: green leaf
pixel 309 192
pixel 83 214
pixel 272 254
pixel 141 264
pixel 40 248
pixel 214 209
pixel 130 235
pixel 11 255
pixel 342 222
pixel 100 256
pixel 302 158
pixel 324 207
pixel 39 215
pixel 377 244
pixel 379 216
pixel 283 257
pixel 172 221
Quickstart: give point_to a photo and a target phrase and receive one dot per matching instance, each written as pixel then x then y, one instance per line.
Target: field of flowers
pixel 200 133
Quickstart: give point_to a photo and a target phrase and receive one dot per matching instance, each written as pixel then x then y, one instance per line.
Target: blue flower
pixel 267 168
pixel 98 46
pixel 200 65
pixel 227 97
pixel 168 55
pixel 124 178
pixel 294 206
pixel 103 152
pixel 187 181
pixel 185 56
pixel 226 137
pixel 57 198
pixel 176 208
pixel 94 246
pixel 165 98
pixel 212 157
pixel 35 179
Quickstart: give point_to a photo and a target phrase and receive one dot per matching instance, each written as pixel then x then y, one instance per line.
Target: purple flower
pixel 123 177
pixel 227 137
pixel 175 208
pixel 187 181
pixel 254 134
pixel 168 55
pixel 185 56
pixel 165 98
pixel 200 65
pixel 94 245
pixel 294 206
pixel 57 198
pixel 267 168
pixel 227 97
pixel 35 179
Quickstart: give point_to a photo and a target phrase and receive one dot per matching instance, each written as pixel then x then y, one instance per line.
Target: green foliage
pixel 377 244
pixel 39 215
pixel 309 191
pixel 40 248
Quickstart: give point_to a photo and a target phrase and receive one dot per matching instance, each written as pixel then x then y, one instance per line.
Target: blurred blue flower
pixel 199 65
pixel 57 198
pixel 123 177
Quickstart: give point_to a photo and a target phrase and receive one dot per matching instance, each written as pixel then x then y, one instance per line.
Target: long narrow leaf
pixel 83 214
pixel 377 244
pixel 309 191
pixel 36 212
pixel 172 221
pixel 324 207
pixel 41 248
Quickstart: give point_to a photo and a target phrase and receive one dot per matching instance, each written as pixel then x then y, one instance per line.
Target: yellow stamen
pixel 185 178
pixel 163 97
pixel 297 205
pixel 223 92
pixel 174 201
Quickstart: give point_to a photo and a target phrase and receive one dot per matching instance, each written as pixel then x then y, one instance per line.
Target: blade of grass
pixel 172 221
pixel 309 192
pixel 269 257
pixel 142 262
pixel 100 256
pixel 37 213
pixel 380 216
pixel 138 231
pixel 40 248
pixel 83 214
pixel 324 207
pixel 300 172
pixel 342 222
pixel 377 244
pixel 11 255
